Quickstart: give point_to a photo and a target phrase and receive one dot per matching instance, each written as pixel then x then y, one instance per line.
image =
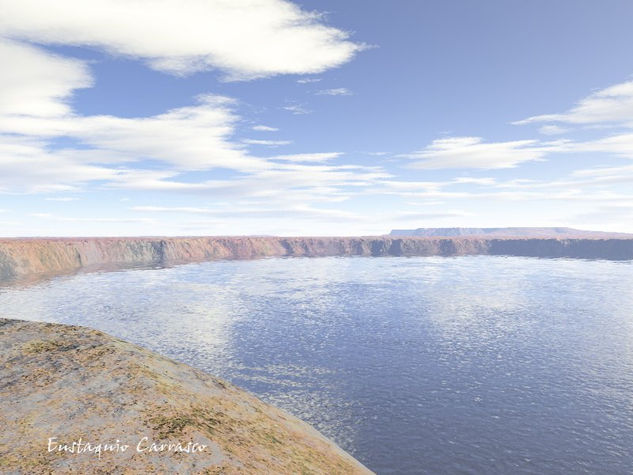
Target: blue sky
pixel 321 117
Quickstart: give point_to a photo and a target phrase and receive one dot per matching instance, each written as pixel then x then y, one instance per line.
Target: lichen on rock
pixel 73 397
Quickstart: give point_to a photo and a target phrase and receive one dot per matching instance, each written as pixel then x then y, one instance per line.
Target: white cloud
pixel 620 145
pixel 296 109
pixel 607 107
pixel 308 80
pixel 422 215
pixel 613 105
pixel 268 143
pixel 197 137
pixel 283 183
pixel 339 91
pixel 246 39
pixel 174 209
pixel 472 152
pixel 308 157
pixel 265 128
pixel 73 219
pixel 601 177
pixel 160 152
pixel 36 83
pixel 27 165
pixel 601 217
pixel 462 180
pixel 601 172
pixel 297 211
pixel 552 130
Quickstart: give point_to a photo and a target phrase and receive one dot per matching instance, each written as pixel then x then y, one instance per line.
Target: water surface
pixel 474 364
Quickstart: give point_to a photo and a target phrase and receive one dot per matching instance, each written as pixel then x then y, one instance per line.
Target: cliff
pixel 62 384
pixel 523 232
pixel 36 258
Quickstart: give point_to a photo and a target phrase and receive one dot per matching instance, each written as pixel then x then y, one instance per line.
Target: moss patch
pixel 44 346
pixel 204 420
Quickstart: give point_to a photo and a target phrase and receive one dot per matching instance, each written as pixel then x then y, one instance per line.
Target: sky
pixel 315 117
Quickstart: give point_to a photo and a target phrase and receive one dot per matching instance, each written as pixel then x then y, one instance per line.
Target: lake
pixel 473 364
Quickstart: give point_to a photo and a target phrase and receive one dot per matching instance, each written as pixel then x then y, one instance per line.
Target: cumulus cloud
pixel 245 38
pixel 473 152
pixel 612 106
pixel 34 111
pixel 164 152
pixel 48 147
pixel 113 151
pixel 196 137
pixel 36 83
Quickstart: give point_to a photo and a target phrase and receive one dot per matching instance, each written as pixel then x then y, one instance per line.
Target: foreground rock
pixel 62 384
pixel 26 259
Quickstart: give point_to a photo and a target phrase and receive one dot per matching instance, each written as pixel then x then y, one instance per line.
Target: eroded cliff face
pixel 29 258
pixel 612 249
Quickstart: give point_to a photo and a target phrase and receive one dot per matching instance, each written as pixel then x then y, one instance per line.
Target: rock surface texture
pixel 40 258
pixel 73 384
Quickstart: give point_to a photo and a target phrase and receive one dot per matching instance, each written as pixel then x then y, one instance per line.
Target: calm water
pixel 414 365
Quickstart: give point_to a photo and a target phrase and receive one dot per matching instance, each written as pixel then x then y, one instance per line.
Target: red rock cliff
pixel 25 258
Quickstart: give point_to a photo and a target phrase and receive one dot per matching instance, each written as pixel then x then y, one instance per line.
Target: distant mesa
pixel 524 232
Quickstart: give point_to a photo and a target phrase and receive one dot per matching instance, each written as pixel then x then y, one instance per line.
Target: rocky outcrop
pixel 75 400
pixel 36 258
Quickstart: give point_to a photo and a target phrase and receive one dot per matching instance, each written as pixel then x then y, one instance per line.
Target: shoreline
pixel 24 259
